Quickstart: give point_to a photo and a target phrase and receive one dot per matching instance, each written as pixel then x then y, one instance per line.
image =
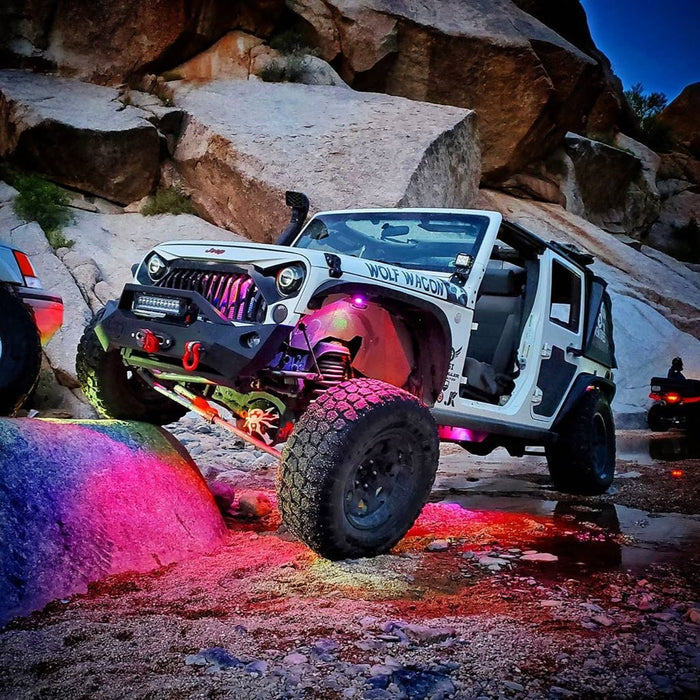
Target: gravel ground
pixel 502 589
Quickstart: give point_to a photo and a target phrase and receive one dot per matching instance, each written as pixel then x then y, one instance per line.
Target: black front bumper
pixel 229 351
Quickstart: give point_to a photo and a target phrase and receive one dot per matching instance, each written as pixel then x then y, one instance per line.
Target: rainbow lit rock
pixel 82 500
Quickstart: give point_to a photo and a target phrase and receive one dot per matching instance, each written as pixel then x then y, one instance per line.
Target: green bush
pixel 41 201
pixel 169 200
pixel 288 69
pixel 654 132
pixel 57 240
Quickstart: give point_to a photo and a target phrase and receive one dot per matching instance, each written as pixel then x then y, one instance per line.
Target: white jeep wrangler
pixel 360 340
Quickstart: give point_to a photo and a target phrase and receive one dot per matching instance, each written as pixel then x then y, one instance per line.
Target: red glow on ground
pixel 677 473
pixel 452 522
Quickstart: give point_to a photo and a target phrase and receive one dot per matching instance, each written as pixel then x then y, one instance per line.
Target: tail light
pixel 27 270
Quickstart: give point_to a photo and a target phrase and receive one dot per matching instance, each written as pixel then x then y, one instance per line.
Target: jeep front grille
pixel 234 295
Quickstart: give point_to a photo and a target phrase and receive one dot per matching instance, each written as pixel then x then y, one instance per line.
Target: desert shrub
pixel 170 75
pixel 57 240
pixel 288 69
pixel 41 201
pixel 169 200
pixel 654 133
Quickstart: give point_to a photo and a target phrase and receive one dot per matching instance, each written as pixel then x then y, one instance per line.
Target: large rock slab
pixel 78 134
pixel 245 143
pixel 677 230
pixel 80 501
pixel 613 187
pixel 528 84
pixel 656 299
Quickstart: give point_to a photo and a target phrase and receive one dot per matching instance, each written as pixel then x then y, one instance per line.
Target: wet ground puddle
pixel 584 535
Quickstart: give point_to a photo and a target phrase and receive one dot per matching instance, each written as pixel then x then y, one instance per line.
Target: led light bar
pixel 152 305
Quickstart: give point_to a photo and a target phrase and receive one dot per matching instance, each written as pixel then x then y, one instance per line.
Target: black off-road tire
pixel 113 389
pixel 20 352
pixel 358 469
pixel 655 421
pixel 582 461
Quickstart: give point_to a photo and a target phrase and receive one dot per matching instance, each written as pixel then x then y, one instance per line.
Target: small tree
pixel 655 133
pixel 645 106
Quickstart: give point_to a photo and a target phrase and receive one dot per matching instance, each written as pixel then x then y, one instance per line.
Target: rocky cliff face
pixel 532 72
pixel 528 84
pixel 682 116
pixel 110 41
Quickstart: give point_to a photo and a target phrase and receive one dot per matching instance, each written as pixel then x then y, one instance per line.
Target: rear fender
pixel 583 383
pixel 385 349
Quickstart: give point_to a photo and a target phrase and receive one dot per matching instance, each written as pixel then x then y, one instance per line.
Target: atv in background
pixel 676 404
pixel 359 341
pixel 29 317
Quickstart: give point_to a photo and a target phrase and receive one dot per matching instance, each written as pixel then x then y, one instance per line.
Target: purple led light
pixel 359 302
pixel 455 434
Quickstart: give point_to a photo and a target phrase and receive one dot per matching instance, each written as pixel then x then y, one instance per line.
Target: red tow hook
pixel 190 358
pixel 148 341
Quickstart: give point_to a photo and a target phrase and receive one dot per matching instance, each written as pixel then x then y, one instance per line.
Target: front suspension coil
pixel 335 368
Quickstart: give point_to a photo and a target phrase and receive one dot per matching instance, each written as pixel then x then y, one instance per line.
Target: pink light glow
pixel 359 302
pixel 455 434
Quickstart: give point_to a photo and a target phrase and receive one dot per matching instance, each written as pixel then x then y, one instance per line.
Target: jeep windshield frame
pixel 421 240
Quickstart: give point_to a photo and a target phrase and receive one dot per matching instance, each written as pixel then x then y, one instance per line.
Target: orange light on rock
pixel 677 473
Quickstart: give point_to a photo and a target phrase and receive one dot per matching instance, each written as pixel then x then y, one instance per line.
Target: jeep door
pixel 562 334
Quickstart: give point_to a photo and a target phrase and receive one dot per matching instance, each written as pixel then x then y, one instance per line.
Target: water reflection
pixel 645 447
pixel 588 535
pixel 674 446
pixel 594 541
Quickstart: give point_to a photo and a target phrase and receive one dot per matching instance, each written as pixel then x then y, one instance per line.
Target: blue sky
pixel 653 42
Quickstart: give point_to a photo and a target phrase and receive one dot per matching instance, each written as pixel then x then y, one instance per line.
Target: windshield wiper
pixel 395 264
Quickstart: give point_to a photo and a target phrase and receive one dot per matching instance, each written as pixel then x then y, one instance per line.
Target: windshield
pixel 417 240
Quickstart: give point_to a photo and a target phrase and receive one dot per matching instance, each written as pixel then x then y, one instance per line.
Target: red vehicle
pixel 29 316
pixel 676 404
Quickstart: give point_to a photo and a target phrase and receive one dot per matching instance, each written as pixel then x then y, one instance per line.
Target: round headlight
pixel 289 279
pixel 156 267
